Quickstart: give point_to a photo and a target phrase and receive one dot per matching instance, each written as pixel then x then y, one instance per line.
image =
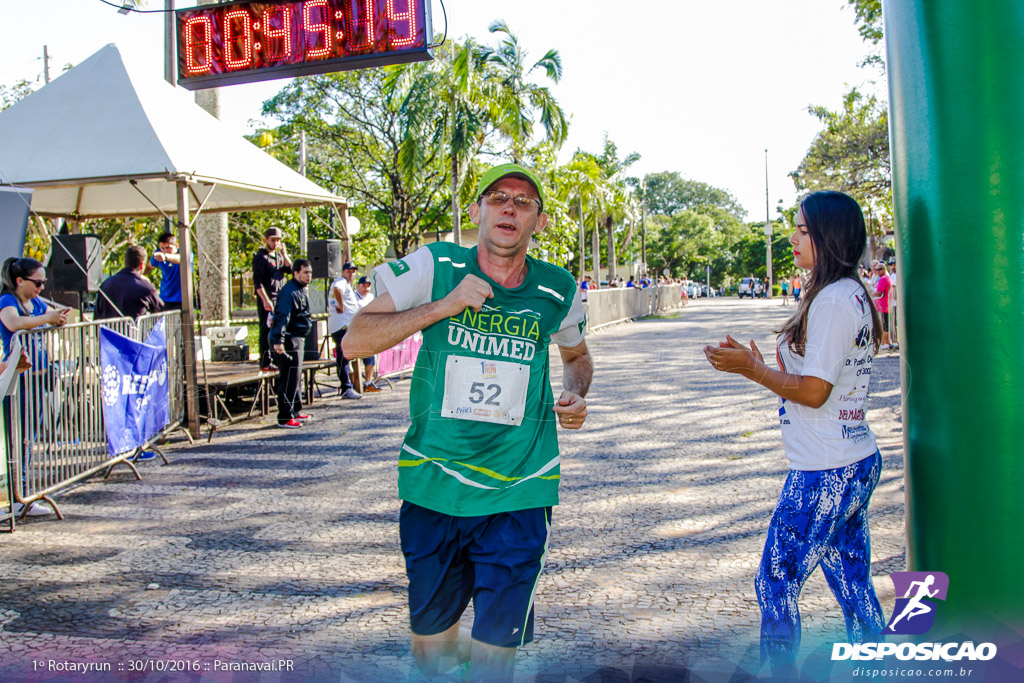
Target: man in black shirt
pixel 127 292
pixel 270 265
pixel 289 328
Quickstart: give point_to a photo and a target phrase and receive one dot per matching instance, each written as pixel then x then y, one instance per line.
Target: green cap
pixel 504 171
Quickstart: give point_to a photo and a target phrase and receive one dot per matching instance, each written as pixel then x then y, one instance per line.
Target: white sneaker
pixel 351 393
pixel 883 347
pixel 34 510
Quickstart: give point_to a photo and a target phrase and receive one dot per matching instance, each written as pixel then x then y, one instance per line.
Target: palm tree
pixel 617 193
pixel 467 118
pixel 514 99
pixel 580 182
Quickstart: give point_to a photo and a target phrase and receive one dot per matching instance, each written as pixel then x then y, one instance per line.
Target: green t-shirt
pixel 483 437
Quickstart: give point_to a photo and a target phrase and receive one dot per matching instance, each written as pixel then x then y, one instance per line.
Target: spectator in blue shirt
pixel 21 308
pixel 168 260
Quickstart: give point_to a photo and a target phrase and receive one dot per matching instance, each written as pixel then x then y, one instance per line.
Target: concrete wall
pixel 606 306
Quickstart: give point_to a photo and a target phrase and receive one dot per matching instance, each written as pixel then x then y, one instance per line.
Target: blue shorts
pixel 495 560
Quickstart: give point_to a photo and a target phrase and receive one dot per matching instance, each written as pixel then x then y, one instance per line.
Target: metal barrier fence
pixel 614 305
pixel 175 361
pixel 55 417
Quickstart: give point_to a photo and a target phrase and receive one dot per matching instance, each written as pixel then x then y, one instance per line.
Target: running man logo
pixel 914 613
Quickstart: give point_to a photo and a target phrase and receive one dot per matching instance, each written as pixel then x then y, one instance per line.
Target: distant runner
pixel 479 468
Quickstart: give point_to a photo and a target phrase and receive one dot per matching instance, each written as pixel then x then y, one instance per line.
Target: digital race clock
pixel 242 42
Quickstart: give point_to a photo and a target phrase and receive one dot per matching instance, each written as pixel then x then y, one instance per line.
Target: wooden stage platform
pixel 219 378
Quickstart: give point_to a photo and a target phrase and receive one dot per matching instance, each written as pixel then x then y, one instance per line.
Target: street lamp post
pixel 767 230
pixel 169 41
pixel 643 228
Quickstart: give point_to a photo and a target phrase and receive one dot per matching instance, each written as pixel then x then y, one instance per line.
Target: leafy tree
pixel 682 243
pixel 367 246
pixel 750 253
pixel 558 240
pixel 869 25
pixel 667 193
pixel 869 19
pixel 693 225
pixel 377 137
pixel 851 154
pixel 16 92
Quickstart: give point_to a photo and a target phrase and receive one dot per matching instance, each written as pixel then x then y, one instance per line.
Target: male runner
pixel 479 468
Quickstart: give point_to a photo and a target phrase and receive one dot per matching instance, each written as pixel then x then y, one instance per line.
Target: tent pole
pixel 187 312
pixel 346 244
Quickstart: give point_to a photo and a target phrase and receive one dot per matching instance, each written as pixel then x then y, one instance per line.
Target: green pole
pixel 956 84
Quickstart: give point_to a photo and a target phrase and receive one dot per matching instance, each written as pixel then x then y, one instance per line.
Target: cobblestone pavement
pixel 269 544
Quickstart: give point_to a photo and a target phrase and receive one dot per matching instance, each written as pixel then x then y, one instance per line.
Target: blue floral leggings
pixel 821 518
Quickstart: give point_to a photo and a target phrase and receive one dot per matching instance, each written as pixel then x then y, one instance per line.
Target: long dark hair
pixel 14 268
pixel 836 228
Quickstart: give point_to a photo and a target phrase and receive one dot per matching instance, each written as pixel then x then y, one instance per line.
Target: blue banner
pixel 134 387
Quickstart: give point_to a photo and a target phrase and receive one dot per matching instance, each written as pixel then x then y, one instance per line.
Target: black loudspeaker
pixel 325 257
pixel 76 262
pixel 235 353
pixel 312 350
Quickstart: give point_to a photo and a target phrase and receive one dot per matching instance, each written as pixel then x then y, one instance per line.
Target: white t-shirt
pixel 363 301
pixel 840 351
pixel 336 320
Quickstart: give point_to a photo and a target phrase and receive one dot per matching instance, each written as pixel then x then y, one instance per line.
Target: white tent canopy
pixel 101 142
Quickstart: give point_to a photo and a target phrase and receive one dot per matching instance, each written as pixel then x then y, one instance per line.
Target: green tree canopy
pixel 375 136
pixel 682 243
pixel 851 154
pixel 668 193
pixel 750 252
pixel 869 24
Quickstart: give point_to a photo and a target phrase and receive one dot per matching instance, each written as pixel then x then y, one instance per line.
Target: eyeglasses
pixel 498 198
pixel 37 283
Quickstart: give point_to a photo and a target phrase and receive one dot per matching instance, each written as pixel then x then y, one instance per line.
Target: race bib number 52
pixel 485 390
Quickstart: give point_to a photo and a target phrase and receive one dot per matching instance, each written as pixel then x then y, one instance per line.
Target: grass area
pixel 252 337
pixel 667 316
